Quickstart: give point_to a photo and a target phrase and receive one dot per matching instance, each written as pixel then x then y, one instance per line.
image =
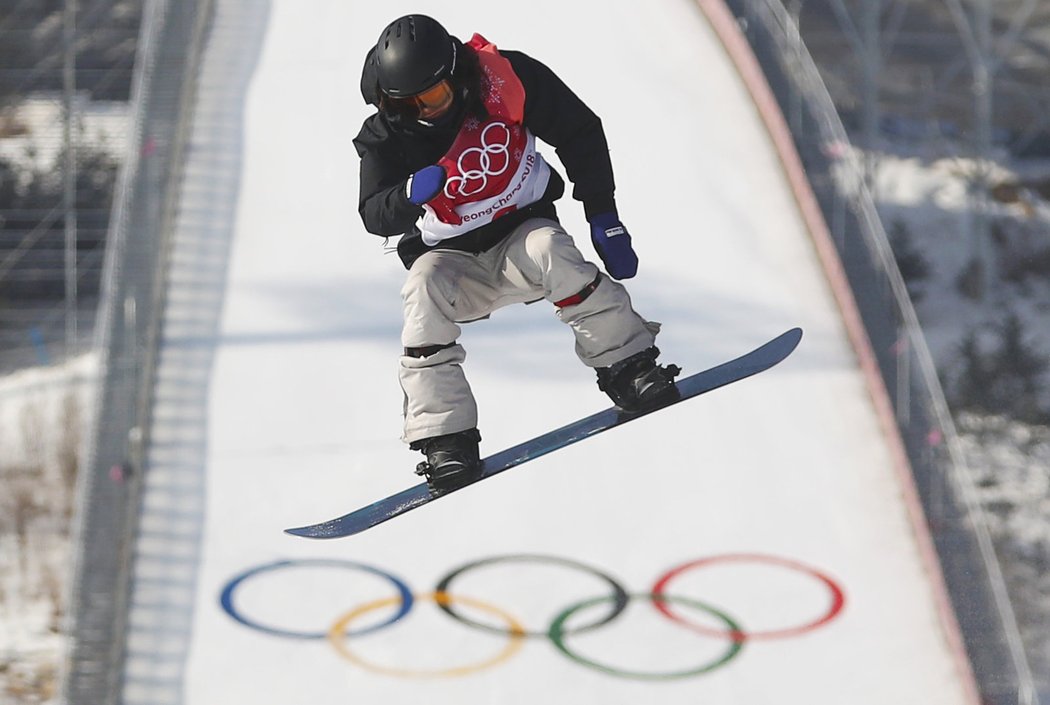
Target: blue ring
pixel 226 598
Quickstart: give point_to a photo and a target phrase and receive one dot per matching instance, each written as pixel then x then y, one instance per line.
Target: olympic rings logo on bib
pixel 476 164
pixel 719 635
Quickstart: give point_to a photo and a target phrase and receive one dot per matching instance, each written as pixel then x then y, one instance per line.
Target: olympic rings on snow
pixel 338 634
pixel 837 602
pixel 558 632
pixel 618 596
pixel 226 598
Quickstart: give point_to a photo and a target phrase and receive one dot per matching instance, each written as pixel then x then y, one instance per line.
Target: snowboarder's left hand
pixel 613 243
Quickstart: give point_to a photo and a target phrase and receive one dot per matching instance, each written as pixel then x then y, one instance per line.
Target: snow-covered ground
pixel 1011 463
pixel 930 208
pixel 31 132
pixel 43 413
pixel 932 202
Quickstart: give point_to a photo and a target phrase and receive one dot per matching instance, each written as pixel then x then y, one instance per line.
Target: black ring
pixel 619 597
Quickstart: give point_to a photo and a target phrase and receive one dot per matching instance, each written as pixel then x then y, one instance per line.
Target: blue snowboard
pixel 752 363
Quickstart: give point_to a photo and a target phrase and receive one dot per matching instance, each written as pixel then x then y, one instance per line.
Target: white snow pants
pixel 447 287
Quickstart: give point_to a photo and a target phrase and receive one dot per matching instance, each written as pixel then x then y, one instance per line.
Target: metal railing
pixel 132 290
pixel 65 69
pixel 956 520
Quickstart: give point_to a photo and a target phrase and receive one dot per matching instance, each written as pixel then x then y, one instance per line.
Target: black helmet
pixel 413 53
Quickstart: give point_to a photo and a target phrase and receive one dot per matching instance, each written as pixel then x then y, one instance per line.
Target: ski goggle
pixel 432 102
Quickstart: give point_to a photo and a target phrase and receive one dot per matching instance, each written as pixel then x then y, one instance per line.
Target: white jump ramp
pixel 767 515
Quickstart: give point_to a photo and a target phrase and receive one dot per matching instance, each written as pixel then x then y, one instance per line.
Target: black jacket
pixel 391 153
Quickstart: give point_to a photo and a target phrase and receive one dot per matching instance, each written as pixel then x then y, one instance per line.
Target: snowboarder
pixel 449 162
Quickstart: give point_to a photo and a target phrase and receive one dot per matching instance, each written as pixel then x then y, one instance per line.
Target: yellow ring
pixel 337 636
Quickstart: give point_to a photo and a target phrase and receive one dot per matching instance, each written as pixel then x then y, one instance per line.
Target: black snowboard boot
pixel 452 460
pixel 638 383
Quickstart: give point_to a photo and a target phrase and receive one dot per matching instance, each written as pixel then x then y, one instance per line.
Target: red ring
pixel 838 597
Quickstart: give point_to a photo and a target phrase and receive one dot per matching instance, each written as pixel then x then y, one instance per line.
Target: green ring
pixel 557 635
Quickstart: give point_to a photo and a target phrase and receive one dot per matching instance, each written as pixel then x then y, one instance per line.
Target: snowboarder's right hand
pixel 425 184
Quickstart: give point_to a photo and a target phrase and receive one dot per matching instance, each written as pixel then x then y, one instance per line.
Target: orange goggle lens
pixel 430 103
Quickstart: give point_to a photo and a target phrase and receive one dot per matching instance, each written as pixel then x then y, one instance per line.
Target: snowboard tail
pixel 758 360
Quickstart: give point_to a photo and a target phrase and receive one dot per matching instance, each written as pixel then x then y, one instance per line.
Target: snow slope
pixel 278 405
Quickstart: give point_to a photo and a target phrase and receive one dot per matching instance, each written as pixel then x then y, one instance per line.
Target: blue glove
pixel 613 243
pixel 425 184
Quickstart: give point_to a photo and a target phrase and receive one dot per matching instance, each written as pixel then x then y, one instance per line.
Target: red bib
pixel 492 166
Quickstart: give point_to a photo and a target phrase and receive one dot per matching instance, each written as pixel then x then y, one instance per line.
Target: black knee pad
pixel 427 350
